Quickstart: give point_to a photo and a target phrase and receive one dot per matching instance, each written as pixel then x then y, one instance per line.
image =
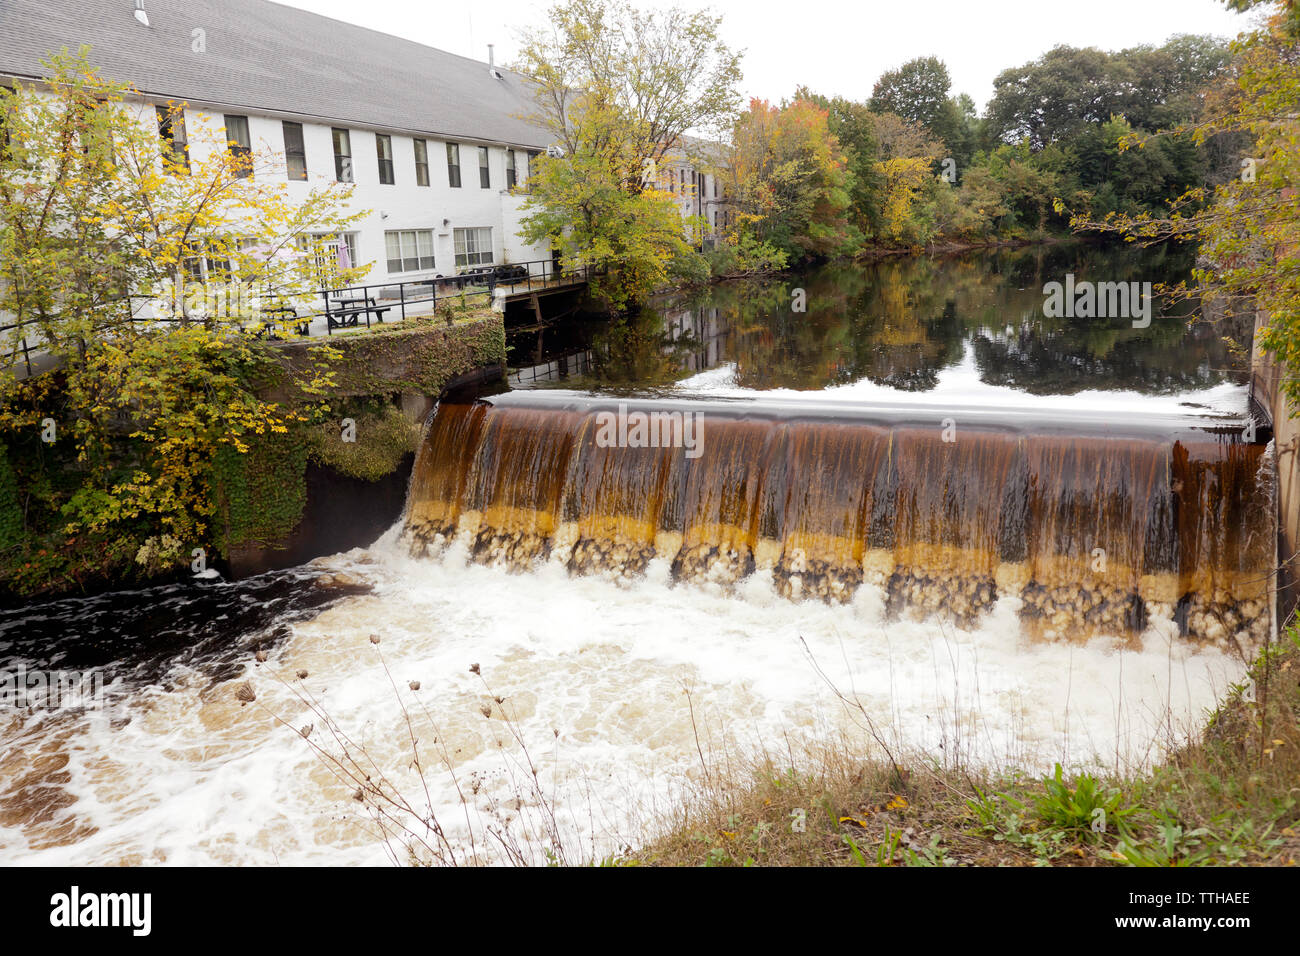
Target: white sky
pixel 833 46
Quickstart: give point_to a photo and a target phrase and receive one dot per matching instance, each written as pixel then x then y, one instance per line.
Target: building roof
pixel 265 57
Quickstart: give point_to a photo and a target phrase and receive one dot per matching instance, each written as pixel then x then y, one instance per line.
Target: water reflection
pixel 899 323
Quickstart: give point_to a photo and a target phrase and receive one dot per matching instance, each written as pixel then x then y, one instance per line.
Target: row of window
pixel 171 127
pixel 407 250
pixel 411 250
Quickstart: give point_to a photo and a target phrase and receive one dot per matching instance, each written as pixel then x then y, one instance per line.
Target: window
pixel 421 162
pixel 453 165
pixel 409 250
pixel 327 253
pixel 384 148
pixel 295 153
pixel 176 146
pixel 715 187
pixel 240 145
pixel 342 155
pixel 473 247
pixel 484 176
pixel 209 262
pixel 511 176
pixel 5 94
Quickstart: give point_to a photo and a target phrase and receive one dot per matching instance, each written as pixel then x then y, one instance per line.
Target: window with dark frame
pixel 473 247
pixel 240 144
pixel 342 155
pixel 484 174
pixel 176 145
pixel 384 150
pixel 453 165
pixel 421 162
pixel 295 152
pixel 511 172
pixel 408 250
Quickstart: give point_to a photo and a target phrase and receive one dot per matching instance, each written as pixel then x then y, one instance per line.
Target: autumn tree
pixel 619 89
pixel 789 180
pixel 96 224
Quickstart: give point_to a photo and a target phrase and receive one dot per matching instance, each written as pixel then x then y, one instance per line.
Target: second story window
pixel 511 174
pixel 176 145
pixel 240 145
pixel 295 152
pixel 342 155
pixel 453 165
pixel 421 162
pixel 384 149
pixel 484 176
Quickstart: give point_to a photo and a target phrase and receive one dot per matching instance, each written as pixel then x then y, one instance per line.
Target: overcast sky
pixel 834 46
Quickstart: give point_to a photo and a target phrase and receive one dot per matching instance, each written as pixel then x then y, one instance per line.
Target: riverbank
pixel 358 430
pixel 1226 798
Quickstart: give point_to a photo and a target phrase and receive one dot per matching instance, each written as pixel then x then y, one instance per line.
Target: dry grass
pixel 1232 797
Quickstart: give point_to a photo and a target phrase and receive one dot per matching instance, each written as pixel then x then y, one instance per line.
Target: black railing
pixel 346 306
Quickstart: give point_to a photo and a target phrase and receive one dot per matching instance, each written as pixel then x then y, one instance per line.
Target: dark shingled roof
pixel 263 56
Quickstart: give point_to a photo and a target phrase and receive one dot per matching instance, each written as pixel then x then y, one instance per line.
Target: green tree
pixel 916 91
pixel 1248 228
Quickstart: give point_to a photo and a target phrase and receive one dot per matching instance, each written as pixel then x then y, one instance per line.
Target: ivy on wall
pixel 11 510
pixel 260 495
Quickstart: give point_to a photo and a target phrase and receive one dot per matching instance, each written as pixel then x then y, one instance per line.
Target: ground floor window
pixel 473 247
pixel 409 250
pixel 327 253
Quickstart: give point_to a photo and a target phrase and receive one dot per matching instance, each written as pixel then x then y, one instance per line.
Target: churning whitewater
pixel 619 692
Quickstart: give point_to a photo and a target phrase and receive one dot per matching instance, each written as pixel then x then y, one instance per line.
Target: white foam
pixel 960 385
pixel 194 778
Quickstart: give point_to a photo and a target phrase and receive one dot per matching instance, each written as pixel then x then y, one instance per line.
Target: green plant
pixel 1086 810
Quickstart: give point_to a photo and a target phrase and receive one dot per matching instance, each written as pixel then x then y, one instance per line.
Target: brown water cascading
pixel 1094 532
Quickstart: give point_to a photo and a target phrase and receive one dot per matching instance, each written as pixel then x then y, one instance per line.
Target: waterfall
pixel 1096 527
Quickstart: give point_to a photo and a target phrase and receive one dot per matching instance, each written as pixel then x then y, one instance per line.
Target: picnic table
pixel 346 312
pixel 282 313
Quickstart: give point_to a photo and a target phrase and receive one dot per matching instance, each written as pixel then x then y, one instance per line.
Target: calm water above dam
pixel 623 612
pixel 907 328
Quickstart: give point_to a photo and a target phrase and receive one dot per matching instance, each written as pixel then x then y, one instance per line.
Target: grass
pixel 1230 797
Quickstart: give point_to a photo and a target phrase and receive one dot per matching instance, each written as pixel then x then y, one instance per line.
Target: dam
pixel 1010 540
pixel 1095 526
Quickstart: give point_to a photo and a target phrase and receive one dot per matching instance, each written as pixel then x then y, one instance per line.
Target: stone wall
pixel 423 357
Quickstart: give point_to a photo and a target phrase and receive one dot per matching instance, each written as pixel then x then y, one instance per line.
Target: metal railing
pixel 345 307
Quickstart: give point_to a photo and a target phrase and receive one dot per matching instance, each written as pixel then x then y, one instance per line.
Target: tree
pixel 100 240
pixel 789 180
pixel 916 91
pixel 1249 227
pixel 619 89
pixel 854 126
pixel 1054 97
